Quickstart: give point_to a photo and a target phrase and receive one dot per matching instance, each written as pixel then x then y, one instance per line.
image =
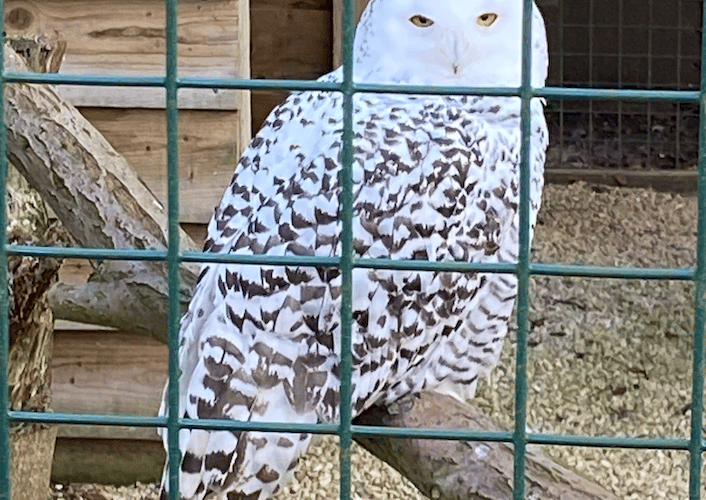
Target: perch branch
pixel 99 199
pixel 458 470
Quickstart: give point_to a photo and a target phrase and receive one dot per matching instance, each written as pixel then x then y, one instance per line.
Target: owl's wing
pixel 255 378
pixel 245 352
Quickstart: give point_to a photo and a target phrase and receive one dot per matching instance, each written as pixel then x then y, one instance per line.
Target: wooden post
pixel 31 319
pixel 338 27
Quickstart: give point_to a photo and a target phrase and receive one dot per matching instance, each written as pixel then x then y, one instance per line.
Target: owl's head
pixel 447 42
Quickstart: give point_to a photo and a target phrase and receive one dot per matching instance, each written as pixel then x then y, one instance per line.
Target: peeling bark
pixel 31 320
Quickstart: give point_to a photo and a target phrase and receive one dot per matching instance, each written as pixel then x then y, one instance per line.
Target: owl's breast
pixel 433 182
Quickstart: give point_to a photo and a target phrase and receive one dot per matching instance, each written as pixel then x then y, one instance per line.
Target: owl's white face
pixel 446 42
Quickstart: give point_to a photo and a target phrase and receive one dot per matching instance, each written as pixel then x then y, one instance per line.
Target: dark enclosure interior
pixel 626 44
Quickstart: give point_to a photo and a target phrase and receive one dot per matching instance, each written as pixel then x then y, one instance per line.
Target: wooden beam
pixel 678 181
pixel 107 461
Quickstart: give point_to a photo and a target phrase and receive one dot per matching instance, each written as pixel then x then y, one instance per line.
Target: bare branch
pixel 99 199
pixel 456 470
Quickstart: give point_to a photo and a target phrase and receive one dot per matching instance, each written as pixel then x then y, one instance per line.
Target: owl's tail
pixel 217 465
pixel 265 387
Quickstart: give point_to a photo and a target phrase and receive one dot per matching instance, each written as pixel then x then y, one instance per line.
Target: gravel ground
pixel 607 357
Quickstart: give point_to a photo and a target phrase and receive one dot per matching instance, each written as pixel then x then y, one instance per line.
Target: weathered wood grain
pixel 208 152
pixel 127 38
pixel 107 372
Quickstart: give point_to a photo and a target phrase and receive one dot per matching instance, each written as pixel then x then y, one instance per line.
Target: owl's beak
pixel 459 53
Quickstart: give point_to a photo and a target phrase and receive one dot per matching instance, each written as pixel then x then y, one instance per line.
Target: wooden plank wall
pixel 127 38
pixel 103 371
pixel 289 39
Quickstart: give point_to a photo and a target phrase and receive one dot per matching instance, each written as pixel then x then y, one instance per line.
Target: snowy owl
pixel 435 178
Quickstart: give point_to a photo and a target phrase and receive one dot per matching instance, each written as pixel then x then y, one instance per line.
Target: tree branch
pixel 458 470
pixel 134 302
pixel 99 199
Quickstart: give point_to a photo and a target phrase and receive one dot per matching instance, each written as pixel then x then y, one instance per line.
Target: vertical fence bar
pixel 345 434
pixel 5 485
pixel 520 436
pixel 650 57
pixel 174 454
pixel 697 390
pixel 621 19
pixel 591 80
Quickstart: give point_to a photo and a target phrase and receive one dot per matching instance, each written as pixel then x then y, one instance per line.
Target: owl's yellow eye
pixel 486 19
pixel 421 21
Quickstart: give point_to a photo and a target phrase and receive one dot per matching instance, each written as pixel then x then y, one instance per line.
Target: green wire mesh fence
pixel 524 268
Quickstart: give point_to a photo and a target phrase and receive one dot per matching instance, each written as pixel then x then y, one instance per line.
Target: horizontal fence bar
pixel 435 90
pixel 86 80
pixel 610 442
pixel 274 260
pixel 184 423
pixel 358 430
pixel 645 273
pixel 442 434
pixel 426 265
pixel 682 96
pixel 239 425
pixel 86 253
pixel 532 438
pixel 538 269
pixel 86 419
pixel 159 81
pixel 259 84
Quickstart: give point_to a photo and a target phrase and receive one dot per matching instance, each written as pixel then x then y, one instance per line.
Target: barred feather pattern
pixel 434 178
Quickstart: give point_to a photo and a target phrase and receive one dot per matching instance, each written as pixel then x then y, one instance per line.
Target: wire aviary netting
pixel 626 44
